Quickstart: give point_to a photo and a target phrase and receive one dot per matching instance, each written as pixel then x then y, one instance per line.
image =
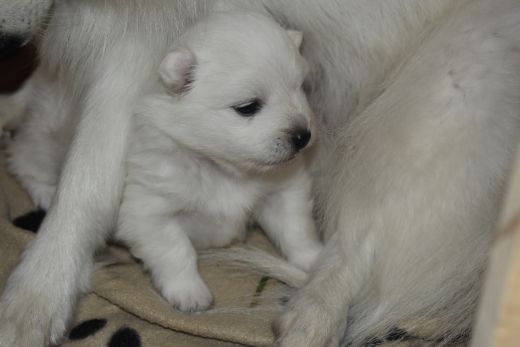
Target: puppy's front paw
pixel 306 324
pixel 29 320
pixel 188 293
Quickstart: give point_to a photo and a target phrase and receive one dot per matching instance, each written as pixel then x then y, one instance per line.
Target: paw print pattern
pixel 123 337
pixel 30 221
pixel 87 328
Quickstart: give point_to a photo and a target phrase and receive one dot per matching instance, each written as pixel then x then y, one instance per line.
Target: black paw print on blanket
pixel 30 221
pixel 123 337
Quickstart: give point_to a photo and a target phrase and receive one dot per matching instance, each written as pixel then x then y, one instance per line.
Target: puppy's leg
pixel 166 251
pixel 38 300
pixel 286 217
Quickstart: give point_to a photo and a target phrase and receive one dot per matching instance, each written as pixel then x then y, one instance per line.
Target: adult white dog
pixel 418 108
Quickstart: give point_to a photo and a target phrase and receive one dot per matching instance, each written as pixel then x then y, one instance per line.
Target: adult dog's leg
pixel 38 300
pixel 317 314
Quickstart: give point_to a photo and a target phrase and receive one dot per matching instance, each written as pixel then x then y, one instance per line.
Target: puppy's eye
pixel 249 108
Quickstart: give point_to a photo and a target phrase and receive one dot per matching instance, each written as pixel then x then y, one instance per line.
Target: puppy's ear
pixel 176 70
pixel 296 36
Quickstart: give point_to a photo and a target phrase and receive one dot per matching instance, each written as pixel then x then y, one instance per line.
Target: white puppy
pixel 208 152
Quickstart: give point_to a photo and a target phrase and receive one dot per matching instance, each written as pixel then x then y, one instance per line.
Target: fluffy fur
pixel 417 113
pixel 198 167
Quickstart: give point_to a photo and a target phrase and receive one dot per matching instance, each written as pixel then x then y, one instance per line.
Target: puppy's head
pixel 235 91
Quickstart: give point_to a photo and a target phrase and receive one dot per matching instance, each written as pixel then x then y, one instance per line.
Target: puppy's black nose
pixel 300 138
pixel 9 44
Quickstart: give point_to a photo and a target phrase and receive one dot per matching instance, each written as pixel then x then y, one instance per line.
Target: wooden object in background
pixel 498 322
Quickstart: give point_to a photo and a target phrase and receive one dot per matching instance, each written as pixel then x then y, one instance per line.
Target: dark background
pixel 15 68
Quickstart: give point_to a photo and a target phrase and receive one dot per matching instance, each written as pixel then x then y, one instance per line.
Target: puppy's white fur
pixel 197 168
pixel 411 163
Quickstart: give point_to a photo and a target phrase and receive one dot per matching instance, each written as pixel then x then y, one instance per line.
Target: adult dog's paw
pixel 188 294
pixel 306 324
pixel 29 320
